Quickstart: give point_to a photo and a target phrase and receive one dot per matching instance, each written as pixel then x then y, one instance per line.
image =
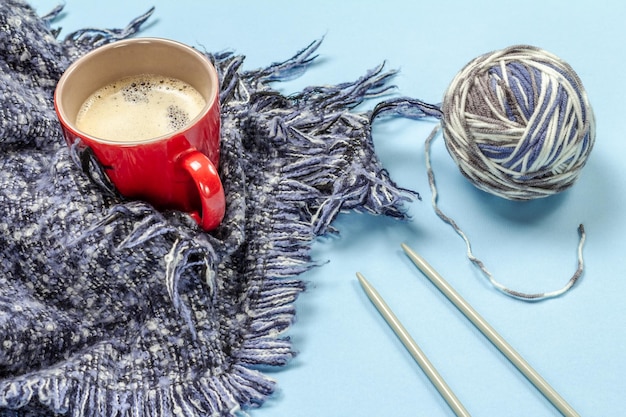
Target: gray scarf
pixel 111 308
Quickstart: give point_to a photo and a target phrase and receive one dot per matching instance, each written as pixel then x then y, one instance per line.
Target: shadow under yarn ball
pixel 518 123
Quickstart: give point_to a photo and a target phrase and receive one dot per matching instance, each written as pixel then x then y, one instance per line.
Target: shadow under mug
pixel 173 171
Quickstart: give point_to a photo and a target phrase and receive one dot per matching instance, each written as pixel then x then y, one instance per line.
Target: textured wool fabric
pixel 111 308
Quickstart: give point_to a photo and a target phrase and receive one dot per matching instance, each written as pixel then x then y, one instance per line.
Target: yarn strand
pixel 476 261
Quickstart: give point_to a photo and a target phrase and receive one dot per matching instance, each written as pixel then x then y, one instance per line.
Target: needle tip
pixel 410 252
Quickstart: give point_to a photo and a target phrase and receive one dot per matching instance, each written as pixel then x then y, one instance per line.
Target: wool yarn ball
pixel 518 123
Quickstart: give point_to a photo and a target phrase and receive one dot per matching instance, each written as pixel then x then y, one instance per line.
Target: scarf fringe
pixel 288 69
pixel 210 395
pixel 318 133
pixel 407 107
pixel 95 37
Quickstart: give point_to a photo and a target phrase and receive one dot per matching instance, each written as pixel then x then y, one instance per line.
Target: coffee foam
pixel 139 107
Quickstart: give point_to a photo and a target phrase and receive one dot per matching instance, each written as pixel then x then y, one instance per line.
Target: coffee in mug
pixel 139 107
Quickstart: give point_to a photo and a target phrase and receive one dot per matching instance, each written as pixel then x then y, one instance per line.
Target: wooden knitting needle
pixel 493 336
pixel 413 348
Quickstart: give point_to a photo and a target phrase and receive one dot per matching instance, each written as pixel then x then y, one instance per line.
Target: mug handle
pixel 204 174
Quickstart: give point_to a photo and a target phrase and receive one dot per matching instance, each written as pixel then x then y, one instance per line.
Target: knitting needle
pixel 489 332
pixel 413 348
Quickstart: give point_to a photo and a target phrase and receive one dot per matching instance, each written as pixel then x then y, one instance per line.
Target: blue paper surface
pixel 350 363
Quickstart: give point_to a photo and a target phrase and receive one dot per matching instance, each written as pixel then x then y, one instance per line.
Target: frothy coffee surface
pixel 139 107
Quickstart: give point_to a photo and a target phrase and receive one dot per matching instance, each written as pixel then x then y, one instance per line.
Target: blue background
pixel 350 363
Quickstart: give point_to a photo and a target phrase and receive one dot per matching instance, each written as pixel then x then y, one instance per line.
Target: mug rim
pixel 211 101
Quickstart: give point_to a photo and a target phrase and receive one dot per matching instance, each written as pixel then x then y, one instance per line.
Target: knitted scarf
pixel 109 307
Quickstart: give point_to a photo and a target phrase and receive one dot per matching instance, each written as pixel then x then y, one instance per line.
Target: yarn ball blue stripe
pixel 518 123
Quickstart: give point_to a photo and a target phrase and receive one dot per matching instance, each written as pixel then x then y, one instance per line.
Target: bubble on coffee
pixel 177 117
pixel 139 107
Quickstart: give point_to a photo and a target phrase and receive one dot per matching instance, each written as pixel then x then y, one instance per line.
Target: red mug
pixel 173 170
